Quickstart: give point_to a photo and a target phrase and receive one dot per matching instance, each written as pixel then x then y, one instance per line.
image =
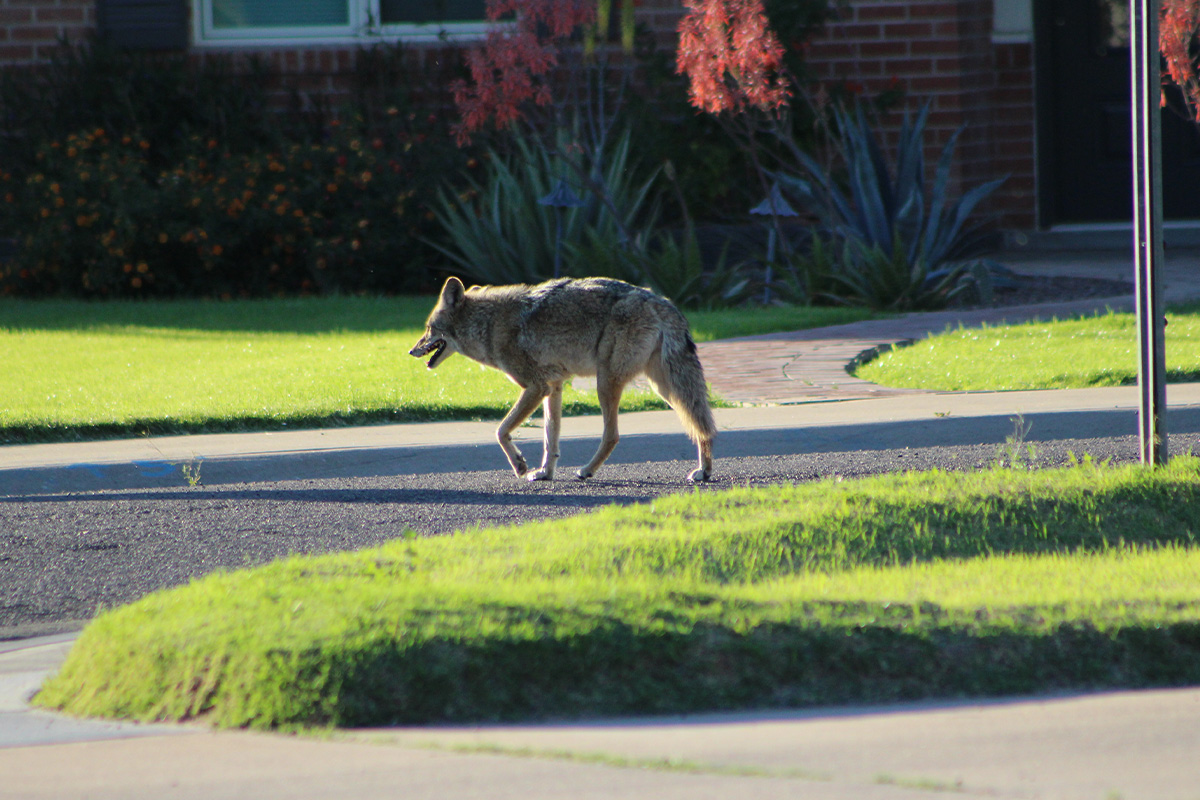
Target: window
pixel 143 24
pixel 258 22
pixel 425 11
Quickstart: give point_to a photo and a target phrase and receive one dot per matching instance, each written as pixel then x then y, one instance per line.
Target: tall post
pixel 1147 228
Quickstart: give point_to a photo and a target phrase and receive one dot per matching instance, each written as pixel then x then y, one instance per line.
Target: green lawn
pixel 1090 351
pixel 895 587
pixel 77 369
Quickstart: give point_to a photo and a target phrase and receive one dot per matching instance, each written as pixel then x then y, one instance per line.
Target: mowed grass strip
pixel 1098 350
pixel 895 587
pixel 84 370
pixel 81 370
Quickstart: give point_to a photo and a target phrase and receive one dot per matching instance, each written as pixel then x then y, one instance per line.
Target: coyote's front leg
pixel 525 405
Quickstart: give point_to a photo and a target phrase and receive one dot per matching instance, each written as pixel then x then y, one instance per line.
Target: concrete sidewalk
pixel 1085 747
pixel 1122 744
pixel 905 419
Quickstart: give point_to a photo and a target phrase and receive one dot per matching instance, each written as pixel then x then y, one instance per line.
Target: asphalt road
pixel 64 555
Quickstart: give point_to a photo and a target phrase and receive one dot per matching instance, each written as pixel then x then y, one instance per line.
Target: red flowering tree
pixel 734 63
pixel 513 68
pixel 731 57
pixel 1178 32
pixel 727 50
pixel 737 68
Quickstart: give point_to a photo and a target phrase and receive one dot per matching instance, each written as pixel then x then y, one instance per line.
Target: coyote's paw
pixel 541 474
pixel 520 467
pixel 699 476
pixel 582 474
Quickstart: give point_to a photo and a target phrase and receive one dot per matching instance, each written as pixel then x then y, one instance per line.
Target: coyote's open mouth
pixel 438 347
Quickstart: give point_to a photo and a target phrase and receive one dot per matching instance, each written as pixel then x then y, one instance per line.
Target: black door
pixel 1084 109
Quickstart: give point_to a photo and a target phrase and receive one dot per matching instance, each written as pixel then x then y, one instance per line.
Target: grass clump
pixel 87 370
pixel 894 587
pixel 1098 350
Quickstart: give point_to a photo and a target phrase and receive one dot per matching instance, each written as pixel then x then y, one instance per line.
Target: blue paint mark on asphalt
pixel 147 469
pixel 97 470
pixel 156 469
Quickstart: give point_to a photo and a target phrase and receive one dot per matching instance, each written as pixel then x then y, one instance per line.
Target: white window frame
pixel 363 26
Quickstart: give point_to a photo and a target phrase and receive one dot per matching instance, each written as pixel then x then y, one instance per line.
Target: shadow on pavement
pixel 1183 426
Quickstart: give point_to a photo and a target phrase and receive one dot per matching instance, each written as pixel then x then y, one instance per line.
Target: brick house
pixel 1041 88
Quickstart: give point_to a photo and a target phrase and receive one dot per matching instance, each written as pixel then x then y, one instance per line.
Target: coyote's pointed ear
pixel 452 291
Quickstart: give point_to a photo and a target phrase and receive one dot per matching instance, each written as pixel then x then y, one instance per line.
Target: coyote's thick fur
pixel 542 335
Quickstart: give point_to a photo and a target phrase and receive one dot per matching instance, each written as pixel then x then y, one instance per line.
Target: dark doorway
pixel 1084 112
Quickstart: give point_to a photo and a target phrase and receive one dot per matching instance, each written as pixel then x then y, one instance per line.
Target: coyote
pixel 542 335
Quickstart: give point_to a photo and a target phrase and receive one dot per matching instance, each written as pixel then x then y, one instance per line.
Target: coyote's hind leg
pixel 552 411
pixel 608 392
pixel 704 471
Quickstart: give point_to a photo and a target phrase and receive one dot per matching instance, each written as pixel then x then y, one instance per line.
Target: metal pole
pixel 1147 228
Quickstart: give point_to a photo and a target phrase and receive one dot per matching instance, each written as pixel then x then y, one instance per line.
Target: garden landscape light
pixel 774 206
pixel 560 197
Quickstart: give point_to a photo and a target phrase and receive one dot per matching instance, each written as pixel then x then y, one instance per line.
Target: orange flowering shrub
pixel 514 64
pixel 732 57
pixel 95 218
pixel 1179 41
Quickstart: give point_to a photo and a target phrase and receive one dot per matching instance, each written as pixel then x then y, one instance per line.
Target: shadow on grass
pixel 616 670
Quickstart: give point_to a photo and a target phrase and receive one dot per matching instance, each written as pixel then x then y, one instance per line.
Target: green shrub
pixel 98 219
pixel 115 185
pixel 164 96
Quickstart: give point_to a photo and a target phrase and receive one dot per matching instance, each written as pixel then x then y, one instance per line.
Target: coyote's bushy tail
pixel 682 379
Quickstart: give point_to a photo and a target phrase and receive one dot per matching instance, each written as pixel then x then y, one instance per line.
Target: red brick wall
pixel 662 17
pixel 30 29
pixel 941 51
pixel 323 75
pixel 1012 136
pixel 317 74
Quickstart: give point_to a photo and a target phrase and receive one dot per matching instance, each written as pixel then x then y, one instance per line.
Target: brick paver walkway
pixel 810 366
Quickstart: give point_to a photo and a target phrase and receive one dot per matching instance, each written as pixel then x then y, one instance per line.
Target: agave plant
pixel 886 280
pixel 886 209
pixel 498 232
pixel 864 274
